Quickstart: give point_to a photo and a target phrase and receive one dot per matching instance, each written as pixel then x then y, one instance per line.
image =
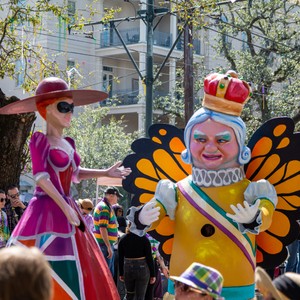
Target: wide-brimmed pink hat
pixel 53 87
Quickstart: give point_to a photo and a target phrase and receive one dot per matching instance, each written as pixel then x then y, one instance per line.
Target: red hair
pixel 41 106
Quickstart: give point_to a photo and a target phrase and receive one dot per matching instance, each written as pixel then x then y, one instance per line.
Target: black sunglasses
pixel 2 199
pixel 65 107
pixel 14 196
pixel 89 208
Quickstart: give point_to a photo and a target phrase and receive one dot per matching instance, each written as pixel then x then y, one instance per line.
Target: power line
pixel 120 47
pixel 222 33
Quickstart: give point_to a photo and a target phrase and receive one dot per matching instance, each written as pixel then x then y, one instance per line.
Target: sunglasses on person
pixel 2 199
pixel 89 208
pixel 14 196
pixel 65 107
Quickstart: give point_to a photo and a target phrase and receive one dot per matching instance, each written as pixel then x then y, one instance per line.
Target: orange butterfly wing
pixel 155 158
pixel 276 157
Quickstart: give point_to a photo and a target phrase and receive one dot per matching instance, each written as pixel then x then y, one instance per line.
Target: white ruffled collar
pixel 210 178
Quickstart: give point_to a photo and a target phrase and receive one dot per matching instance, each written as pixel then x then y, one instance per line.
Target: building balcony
pixel 121 97
pixel 109 38
pixel 127 97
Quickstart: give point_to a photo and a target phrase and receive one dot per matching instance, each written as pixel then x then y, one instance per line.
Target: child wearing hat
pixel 86 207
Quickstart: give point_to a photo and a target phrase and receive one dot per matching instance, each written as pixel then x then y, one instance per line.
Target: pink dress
pixel 79 268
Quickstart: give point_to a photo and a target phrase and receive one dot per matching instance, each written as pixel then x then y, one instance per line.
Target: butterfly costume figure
pixel 211 199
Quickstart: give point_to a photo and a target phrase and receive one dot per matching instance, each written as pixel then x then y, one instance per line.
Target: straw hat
pixel 53 87
pixel 202 278
pixel 86 203
pixel 284 287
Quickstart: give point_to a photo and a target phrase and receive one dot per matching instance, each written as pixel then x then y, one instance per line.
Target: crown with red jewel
pixel 226 93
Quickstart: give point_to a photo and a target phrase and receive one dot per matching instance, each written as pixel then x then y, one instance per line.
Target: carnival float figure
pixel 52 221
pixel 206 210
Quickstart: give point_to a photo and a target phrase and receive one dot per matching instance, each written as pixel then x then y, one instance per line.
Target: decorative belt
pixel 135 258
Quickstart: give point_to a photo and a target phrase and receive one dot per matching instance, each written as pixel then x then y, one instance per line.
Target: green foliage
pixel 21 24
pixel 99 145
pixel 193 12
pixel 260 40
pixel 173 103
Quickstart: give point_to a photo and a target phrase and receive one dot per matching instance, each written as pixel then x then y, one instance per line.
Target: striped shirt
pixel 154 245
pixel 105 217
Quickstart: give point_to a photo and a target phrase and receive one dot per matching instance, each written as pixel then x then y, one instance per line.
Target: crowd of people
pixel 107 223
pixel 133 260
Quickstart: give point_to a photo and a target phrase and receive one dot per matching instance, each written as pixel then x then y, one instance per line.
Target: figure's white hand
pixel 72 216
pixel 244 215
pixel 149 213
pixel 118 171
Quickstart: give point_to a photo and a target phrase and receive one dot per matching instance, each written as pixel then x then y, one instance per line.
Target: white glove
pixel 261 189
pixel 244 215
pixel 149 213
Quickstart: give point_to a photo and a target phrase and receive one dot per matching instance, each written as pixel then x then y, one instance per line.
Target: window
pixel 225 38
pixel 71 8
pixel 135 86
pixel 71 11
pixel 107 69
pixel 108 80
pixel 19 72
pixel 70 65
pixel 245 46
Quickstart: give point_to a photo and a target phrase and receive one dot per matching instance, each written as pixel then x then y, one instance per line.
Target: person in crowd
pixel 4 231
pixel 216 209
pixel 106 225
pixel 86 207
pixel 119 212
pixel 198 282
pixel 118 209
pixel 155 291
pixel 136 265
pixel 293 261
pixel 283 287
pixel 14 208
pixel 24 274
pixel 52 221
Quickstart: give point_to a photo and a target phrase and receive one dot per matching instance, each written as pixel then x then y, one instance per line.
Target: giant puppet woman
pixel 52 221
pixel 217 211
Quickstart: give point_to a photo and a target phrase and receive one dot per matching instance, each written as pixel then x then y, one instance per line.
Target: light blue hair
pixel 236 123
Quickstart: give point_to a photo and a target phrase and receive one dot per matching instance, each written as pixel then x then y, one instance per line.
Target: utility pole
pixel 149 65
pixel 148 17
pixel 188 72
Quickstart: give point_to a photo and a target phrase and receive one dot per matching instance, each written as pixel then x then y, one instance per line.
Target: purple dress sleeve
pixel 39 151
pixel 76 161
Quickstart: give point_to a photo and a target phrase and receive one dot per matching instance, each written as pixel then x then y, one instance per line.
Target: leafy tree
pixel 19 23
pixel 14 154
pixel 172 105
pixel 99 145
pixel 23 57
pixel 260 40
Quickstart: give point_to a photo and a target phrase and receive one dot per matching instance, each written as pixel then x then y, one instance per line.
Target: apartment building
pixel 123 47
pixel 112 56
